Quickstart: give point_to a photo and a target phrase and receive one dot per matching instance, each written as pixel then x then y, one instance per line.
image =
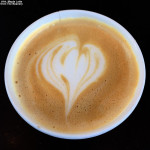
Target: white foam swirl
pixel 71 68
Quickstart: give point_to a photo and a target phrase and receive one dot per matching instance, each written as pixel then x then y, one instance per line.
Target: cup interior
pixel 74 14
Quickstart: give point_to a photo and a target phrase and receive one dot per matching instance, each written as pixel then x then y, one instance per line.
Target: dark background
pixel 133 134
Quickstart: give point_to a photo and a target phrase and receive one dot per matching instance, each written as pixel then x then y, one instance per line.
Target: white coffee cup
pixel 74 14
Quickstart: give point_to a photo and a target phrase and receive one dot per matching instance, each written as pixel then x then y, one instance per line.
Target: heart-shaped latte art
pixel 71 68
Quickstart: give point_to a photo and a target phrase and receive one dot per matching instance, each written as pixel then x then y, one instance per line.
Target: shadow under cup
pixel 75 14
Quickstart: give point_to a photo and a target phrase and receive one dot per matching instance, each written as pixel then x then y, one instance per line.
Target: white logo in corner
pixel 11 2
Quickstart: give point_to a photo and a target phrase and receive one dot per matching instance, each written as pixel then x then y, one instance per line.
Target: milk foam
pixel 70 67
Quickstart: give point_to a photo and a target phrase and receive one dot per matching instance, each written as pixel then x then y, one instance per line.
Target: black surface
pixel 134 133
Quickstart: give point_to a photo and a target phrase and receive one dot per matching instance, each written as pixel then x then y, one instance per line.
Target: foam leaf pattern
pixel 70 67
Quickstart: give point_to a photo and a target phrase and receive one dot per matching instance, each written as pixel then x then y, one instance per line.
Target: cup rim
pixel 64 14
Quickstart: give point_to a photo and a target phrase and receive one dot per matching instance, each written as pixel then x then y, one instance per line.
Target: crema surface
pixel 74 75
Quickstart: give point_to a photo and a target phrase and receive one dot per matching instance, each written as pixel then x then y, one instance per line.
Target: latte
pixel 75 75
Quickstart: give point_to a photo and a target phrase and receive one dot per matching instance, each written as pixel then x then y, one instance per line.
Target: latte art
pixel 74 75
pixel 70 68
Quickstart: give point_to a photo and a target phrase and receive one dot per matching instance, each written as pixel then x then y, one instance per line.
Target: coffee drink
pixel 75 75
